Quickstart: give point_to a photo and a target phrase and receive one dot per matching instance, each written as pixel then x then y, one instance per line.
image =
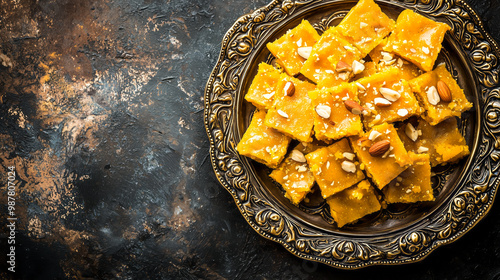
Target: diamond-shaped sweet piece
pixel 417 39
pixel 263 88
pixel 263 144
pixel 323 63
pixel 388 98
pixel 293 47
pixel 292 115
pixel 294 176
pixel 353 203
pixel 335 167
pixel 443 142
pixel 382 168
pixel 414 184
pixel 340 122
pixel 365 26
pixel 427 89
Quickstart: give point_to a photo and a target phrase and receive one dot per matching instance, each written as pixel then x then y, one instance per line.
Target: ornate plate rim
pixel 466 207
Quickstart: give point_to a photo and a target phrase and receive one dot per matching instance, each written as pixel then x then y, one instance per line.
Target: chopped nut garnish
pixel 289 88
pixel 304 52
pixel 411 132
pixel 433 96
pixel 354 107
pixel 349 156
pixel 323 111
pixel 422 149
pixel 298 156
pixel 348 166
pixel 390 94
pixel 343 67
pixel 382 102
pixel 283 114
pixel 374 135
pixel 357 67
pixel 268 95
pixel 403 112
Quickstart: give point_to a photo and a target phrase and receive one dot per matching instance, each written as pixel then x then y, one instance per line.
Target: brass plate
pixel 464 191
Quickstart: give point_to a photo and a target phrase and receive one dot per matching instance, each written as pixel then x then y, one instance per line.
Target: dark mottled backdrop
pixel 101 114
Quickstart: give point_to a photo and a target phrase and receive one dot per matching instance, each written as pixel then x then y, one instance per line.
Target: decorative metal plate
pixel 464 191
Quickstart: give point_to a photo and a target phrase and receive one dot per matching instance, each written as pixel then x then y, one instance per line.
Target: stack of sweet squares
pixel 361 107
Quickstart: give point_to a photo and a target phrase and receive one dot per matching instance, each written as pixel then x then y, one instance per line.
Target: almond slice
pixel 360 86
pixel 382 102
pixel 403 112
pixel 304 52
pixel 422 150
pixel 323 111
pixel 343 67
pixel 379 148
pixel 411 132
pixel 390 94
pixel 444 91
pixel 348 166
pixel 283 114
pixel 354 107
pixel 357 67
pixel 349 156
pixel 298 156
pixel 374 135
pixel 289 88
pixel 433 96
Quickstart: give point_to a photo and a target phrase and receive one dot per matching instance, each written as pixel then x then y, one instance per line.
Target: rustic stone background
pixel 101 113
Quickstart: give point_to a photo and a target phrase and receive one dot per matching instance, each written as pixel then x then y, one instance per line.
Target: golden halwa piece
pixel 365 26
pixel 401 107
pixel 286 47
pixel 382 169
pixel 339 122
pixel 325 55
pixel 294 176
pixel 443 142
pixel 292 115
pixel 384 59
pixel 426 84
pixel 334 168
pixel 417 39
pixel 263 144
pixel 263 88
pixel 414 184
pixel 353 203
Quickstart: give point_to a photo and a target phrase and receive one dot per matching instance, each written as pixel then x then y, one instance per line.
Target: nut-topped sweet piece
pixel 331 59
pixel 443 142
pixel 353 203
pixel 292 114
pixel 417 39
pixel 440 95
pixel 381 153
pixel 263 88
pixel 387 97
pixel 335 167
pixel 293 48
pixel 294 176
pixel 365 26
pixel 413 184
pixel 263 144
pixel 338 113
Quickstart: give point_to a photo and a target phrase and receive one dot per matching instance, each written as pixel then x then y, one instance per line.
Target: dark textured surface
pixel 101 114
